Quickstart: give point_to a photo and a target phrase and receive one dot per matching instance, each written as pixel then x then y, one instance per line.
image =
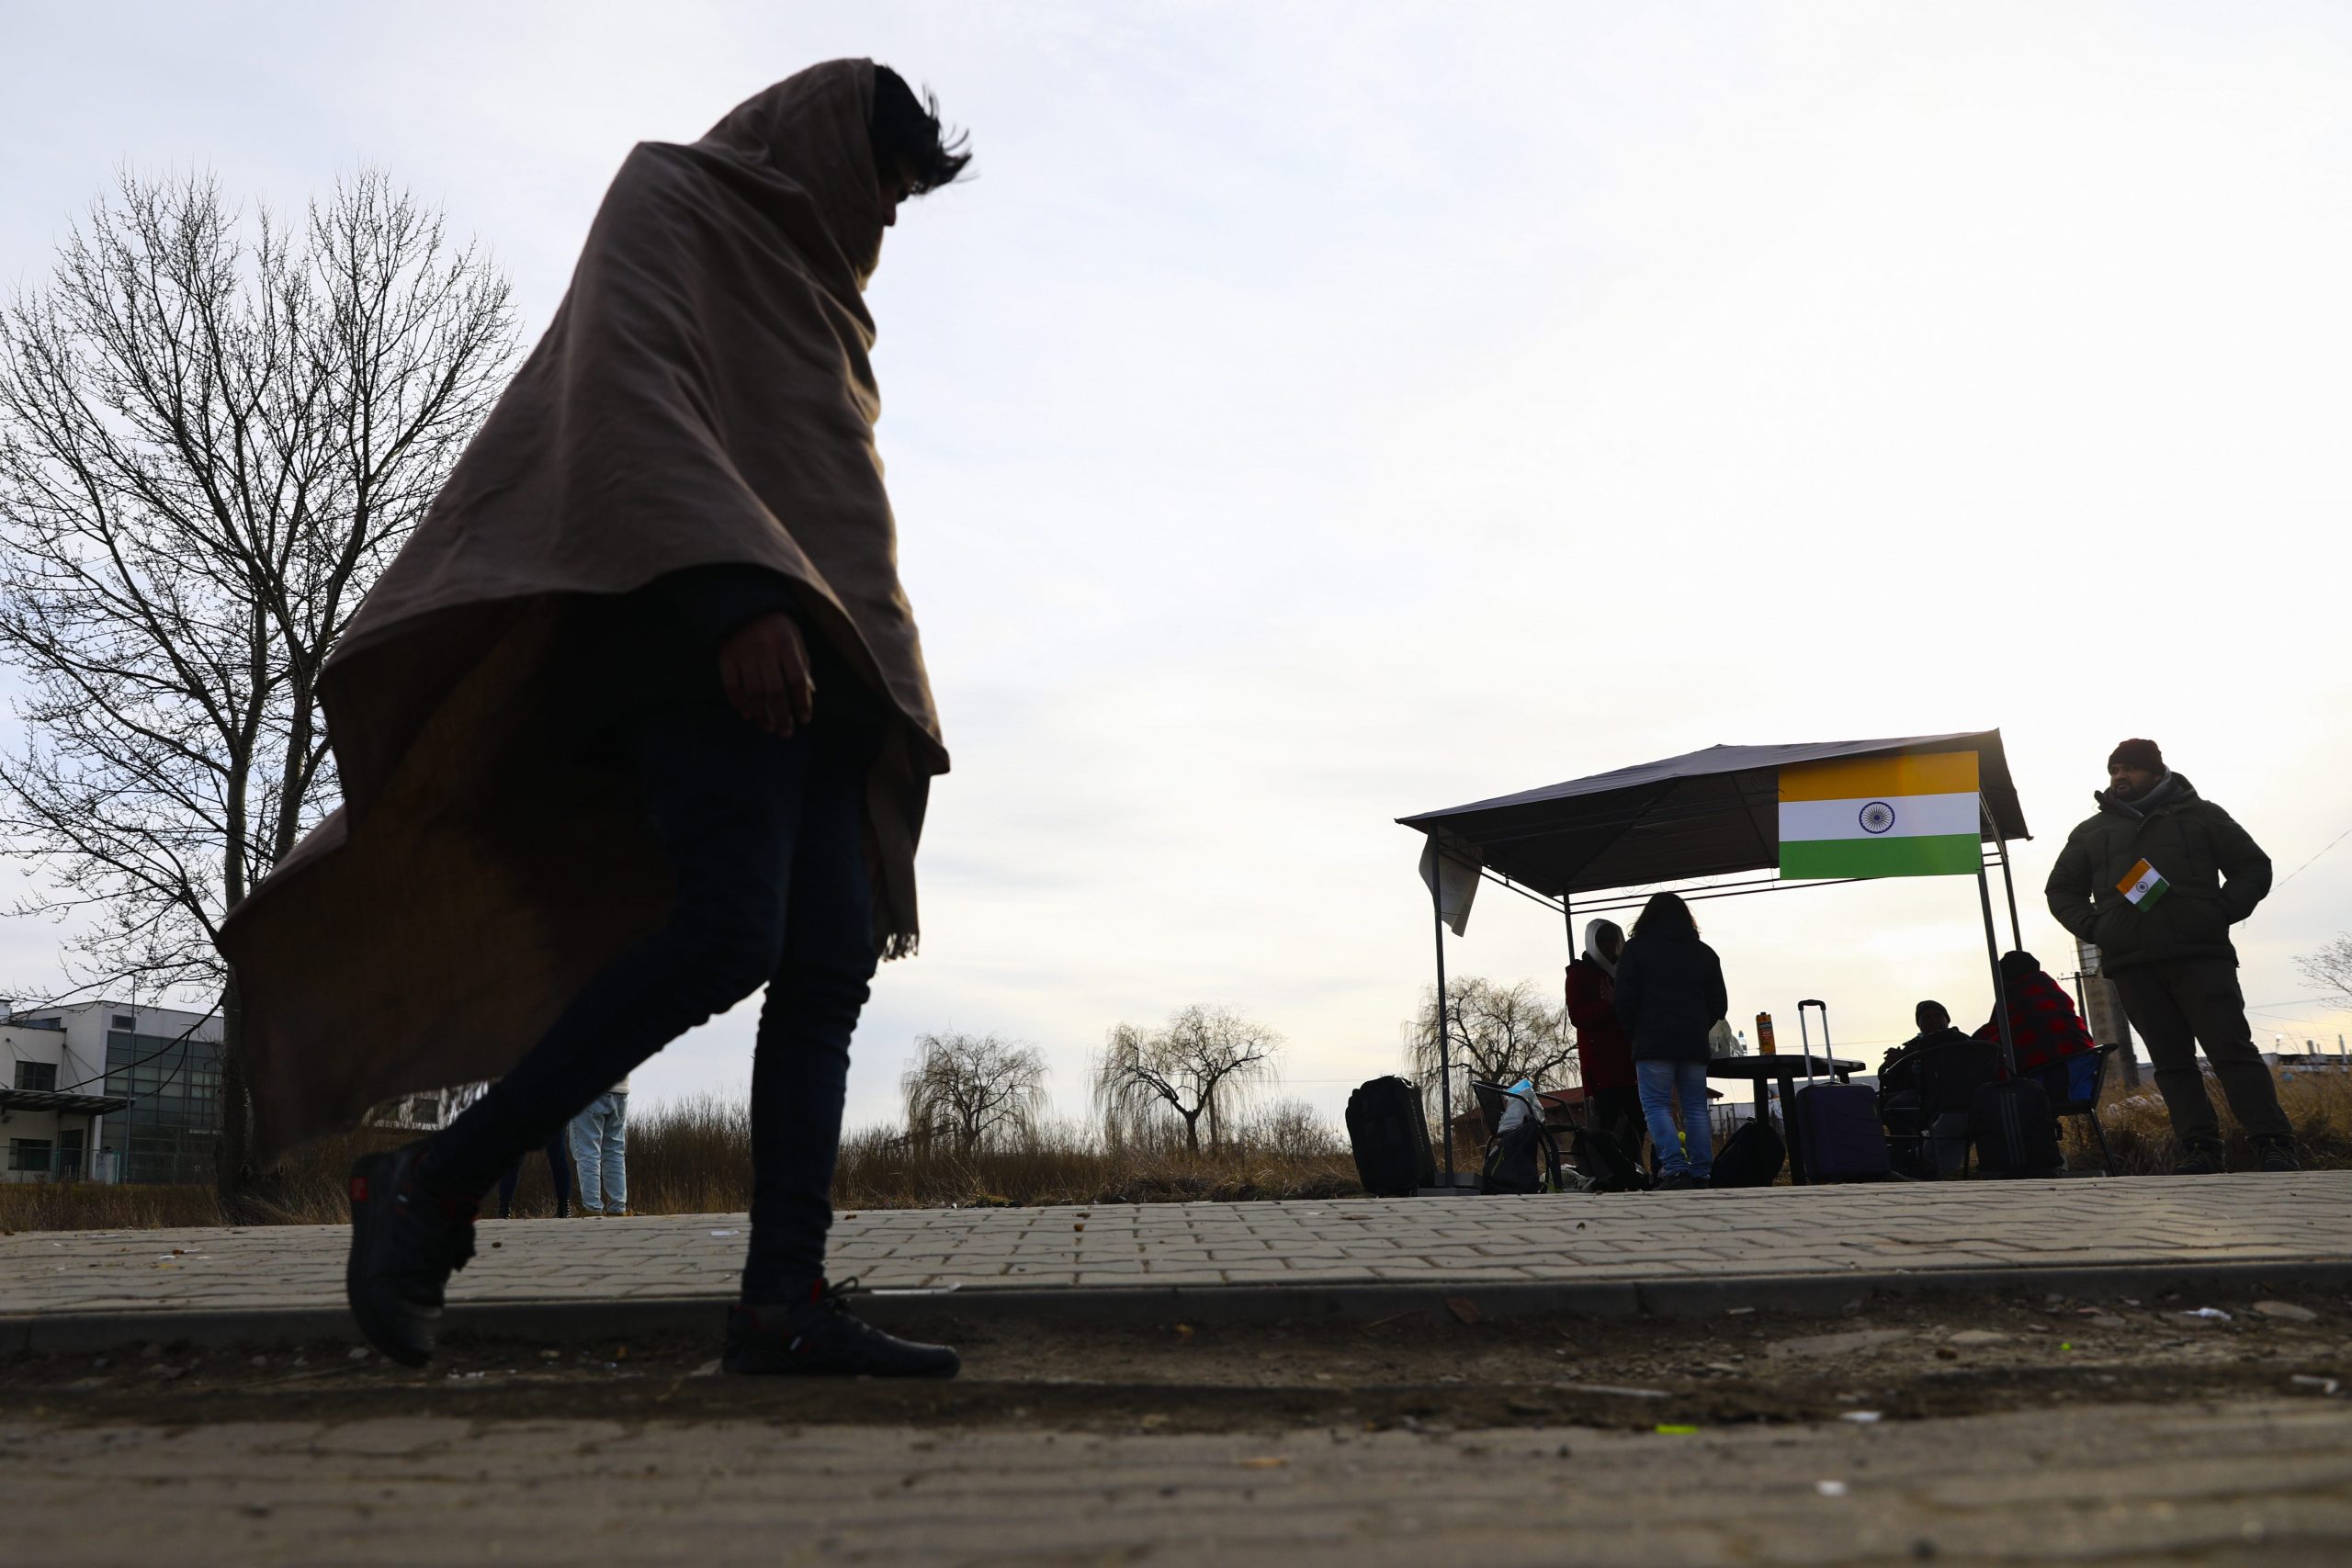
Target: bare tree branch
pixel 214 432
pixel 2329 968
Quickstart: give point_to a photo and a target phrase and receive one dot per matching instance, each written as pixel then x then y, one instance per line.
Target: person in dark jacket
pixel 1670 994
pixel 1928 1076
pixel 2154 881
pixel 1605 1056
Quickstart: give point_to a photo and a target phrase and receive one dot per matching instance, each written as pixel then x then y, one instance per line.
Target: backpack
pixel 1524 1159
pixel 1752 1156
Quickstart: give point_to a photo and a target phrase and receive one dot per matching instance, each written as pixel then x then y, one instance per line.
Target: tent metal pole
pixel 1444 1066
pixel 2000 987
pixel 2008 882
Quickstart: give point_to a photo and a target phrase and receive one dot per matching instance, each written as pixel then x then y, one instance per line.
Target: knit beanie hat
pixel 2137 754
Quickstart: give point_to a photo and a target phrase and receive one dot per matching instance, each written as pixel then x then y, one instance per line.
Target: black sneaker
pixel 2277 1153
pixel 819 1339
pixel 406 1240
pixel 2200 1159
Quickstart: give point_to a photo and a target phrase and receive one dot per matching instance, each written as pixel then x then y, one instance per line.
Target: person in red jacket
pixel 2045 1029
pixel 1604 1052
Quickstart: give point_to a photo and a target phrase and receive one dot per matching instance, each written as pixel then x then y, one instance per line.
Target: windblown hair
pixel 1665 915
pixel 907 136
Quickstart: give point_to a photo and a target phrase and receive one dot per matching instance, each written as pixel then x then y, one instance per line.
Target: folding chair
pixel 2062 1103
pixel 1935 1144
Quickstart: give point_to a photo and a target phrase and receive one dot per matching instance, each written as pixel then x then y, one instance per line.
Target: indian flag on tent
pixel 1881 816
pixel 2142 885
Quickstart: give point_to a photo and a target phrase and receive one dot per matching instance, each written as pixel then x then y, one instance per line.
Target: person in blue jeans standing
pixel 600 1150
pixel 1670 994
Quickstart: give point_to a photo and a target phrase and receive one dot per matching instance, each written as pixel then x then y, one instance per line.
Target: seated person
pixel 1929 1075
pixel 2052 1040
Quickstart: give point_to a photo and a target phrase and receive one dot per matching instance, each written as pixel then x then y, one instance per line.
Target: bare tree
pixel 2329 968
pixel 972 1089
pixel 214 432
pixel 1204 1065
pixel 1290 1129
pixel 1495 1034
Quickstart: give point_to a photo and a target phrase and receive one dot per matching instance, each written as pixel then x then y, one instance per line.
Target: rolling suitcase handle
pixel 1805 1036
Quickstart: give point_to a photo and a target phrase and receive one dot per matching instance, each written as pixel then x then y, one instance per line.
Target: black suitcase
pixel 1843 1140
pixel 2015 1134
pixel 1390 1135
pixel 1752 1156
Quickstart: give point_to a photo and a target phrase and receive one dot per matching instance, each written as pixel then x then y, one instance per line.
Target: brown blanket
pixel 703 397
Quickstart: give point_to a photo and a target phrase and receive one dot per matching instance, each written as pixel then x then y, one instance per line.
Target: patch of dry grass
pixel 694 1157
pixel 2319 1104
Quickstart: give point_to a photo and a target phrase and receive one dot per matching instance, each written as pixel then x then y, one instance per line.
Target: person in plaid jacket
pixel 2043 1026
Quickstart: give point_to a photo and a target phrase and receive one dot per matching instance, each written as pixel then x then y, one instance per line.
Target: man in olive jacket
pixel 2155 881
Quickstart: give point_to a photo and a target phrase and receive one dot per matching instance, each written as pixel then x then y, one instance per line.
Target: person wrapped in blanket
pixel 2052 1040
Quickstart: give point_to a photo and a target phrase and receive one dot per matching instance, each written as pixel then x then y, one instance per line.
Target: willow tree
pixel 1495 1034
pixel 1201 1067
pixel 975 1090
pixel 216 428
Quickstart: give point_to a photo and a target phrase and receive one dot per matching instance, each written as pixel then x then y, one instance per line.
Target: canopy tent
pixel 1710 813
pixel 1707 814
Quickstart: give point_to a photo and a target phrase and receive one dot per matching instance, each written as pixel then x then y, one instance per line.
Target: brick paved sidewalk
pixel 1598 1252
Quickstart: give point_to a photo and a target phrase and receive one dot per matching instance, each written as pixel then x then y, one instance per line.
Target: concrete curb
pixel 1135 1306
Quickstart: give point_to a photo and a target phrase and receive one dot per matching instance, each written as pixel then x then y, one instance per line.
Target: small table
pixel 1784 1070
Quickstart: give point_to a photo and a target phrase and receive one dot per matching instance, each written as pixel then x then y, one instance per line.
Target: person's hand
pixel 764 667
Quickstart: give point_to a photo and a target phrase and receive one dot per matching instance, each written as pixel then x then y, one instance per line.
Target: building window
pixel 37 1074
pixel 29 1153
pixel 124 1020
pixel 170 1129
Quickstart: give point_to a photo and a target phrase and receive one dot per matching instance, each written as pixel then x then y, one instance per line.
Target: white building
pixel 108 1091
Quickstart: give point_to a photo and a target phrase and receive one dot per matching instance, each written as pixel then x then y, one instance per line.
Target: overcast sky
pixel 1312 415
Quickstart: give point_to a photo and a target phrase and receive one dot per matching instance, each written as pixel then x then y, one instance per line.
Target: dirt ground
pixel 1894 1361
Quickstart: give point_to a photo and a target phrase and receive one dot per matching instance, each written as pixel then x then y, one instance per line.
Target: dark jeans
pixel 2178 1006
pixel 1617 1112
pixel 558 1171
pixel 766 840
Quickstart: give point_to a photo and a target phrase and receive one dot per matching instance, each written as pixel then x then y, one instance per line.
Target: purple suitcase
pixel 1843 1141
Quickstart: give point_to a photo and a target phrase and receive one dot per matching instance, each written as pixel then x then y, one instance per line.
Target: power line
pixel 2307 864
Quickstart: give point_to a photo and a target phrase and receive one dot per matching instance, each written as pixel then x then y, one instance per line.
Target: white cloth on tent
pixel 1454 880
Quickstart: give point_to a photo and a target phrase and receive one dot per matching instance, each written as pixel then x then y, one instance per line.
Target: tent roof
pixel 1706 813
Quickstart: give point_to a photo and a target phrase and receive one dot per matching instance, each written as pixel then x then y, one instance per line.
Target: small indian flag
pixel 2142 885
pixel 1882 817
